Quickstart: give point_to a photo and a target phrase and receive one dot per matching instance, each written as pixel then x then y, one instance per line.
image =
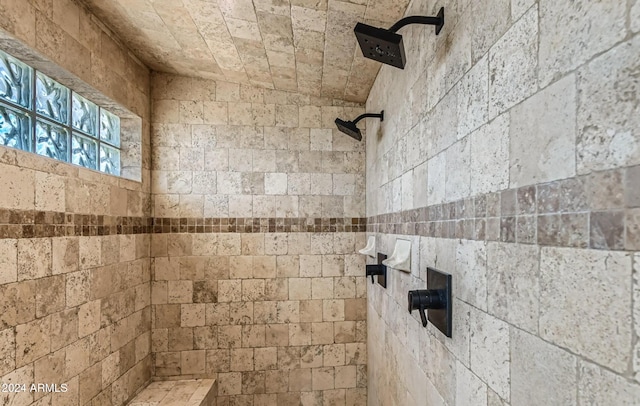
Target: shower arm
pixel 438 21
pixel 360 117
pixel 415 20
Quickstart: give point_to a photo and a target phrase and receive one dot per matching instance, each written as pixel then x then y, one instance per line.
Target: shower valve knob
pixel 373 270
pixel 378 269
pixel 426 299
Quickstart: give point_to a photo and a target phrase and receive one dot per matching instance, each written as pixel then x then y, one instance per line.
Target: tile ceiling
pixel 295 45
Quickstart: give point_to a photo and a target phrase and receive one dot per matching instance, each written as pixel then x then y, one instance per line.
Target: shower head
pixel 385 45
pixel 350 128
pixel 381 45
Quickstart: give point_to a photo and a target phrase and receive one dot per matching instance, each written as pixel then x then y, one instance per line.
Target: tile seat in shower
pixel 189 392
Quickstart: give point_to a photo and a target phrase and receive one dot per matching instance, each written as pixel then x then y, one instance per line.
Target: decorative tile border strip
pixel 40 224
pixel 600 211
pixel 259 225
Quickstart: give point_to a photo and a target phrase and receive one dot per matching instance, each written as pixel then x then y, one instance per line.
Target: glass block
pixel 15 80
pixel 83 151
pixel 109 160
pixel 84 115
pixel 52 99
pixel 109 128
pixel 15 128
pixel 52 140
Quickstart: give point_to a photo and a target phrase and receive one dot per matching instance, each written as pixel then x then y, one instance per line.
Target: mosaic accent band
pixel 591 211
pixel 566 213
pixel 40 224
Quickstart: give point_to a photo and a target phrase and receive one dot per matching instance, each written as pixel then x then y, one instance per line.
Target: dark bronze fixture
pixel 436 300
pixel 349 127
pixel 385 45
pixel 380 270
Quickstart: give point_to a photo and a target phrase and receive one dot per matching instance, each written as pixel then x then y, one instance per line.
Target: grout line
pixel 635 340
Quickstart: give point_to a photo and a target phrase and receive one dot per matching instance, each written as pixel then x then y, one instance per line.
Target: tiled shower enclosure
pixel 217 236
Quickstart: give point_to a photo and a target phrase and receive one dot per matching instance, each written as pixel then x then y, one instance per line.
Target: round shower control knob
pixel 426 299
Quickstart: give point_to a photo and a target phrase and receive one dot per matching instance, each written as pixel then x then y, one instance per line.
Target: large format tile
pixel 609 114
pixel 490 156
pixel 473 97
pixel 8 261
pixel 436 174
pixel 598 386
pixel 490 358
pixel 489 22
pixel 513 64
pixel 543 136
pixel 545 368
pixel 470 390
pixel 585 295
pixel 512 284
pixel 471 273
pixel 458 170
pixel 566 41
pixel 19 187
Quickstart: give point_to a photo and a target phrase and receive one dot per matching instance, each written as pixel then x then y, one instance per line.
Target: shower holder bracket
pixel 379 270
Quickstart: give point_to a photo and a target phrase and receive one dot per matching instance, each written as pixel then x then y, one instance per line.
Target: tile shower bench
pixel 188 392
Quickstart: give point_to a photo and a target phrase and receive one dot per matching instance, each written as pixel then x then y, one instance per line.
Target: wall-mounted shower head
pixel 385 45
pixel 381 45
pixel 350 128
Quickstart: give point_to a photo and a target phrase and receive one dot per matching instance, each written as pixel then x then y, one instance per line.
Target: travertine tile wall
pixel 225 150
pixel 278 317
pixel 300 45
pixel 74 289
pixel 63 40
pixel 509 157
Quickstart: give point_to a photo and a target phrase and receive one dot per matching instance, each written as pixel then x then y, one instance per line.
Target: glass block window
pixel 39 115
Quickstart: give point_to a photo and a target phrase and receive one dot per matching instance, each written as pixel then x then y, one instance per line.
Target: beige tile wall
pixel 65 41
pixel 279 318
pixel 512 95
pixel 225 150
pixel 294 46
pixel 75 310
pixel 220 150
